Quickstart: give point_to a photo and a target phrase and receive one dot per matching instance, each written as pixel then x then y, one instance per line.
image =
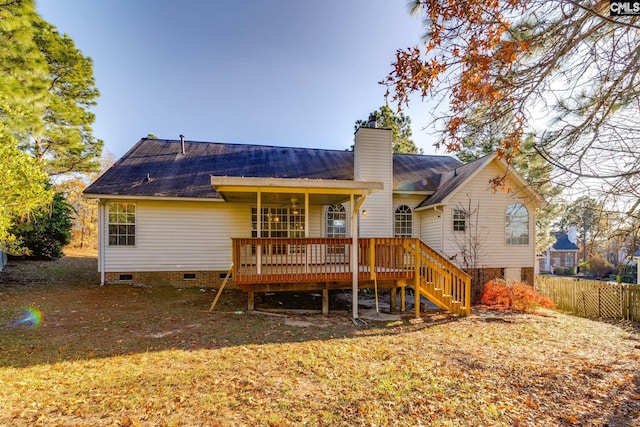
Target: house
pixel 562 256
pixel 177 212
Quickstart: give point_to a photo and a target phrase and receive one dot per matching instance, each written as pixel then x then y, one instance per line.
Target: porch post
pixel 306 213
pixel 354 256
pixel 259 231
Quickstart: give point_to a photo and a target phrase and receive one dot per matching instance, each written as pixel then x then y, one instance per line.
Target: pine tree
pixel 22 96
pixel 400 125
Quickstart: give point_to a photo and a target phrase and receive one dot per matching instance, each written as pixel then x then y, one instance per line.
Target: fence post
pixel 621 301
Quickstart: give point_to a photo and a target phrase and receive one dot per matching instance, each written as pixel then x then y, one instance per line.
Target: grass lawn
pixel 136 356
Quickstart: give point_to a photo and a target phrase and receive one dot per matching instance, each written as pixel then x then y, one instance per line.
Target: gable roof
pixel 454 178
pixel 563 243
pixel 157 167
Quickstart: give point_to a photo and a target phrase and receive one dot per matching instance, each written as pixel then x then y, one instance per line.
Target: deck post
pixel 372 259
pixel 393 306
pixel 259 232
pixel 251 301
pixel 418 281
pixel 467 296
pixel 325 302
pixel 354 257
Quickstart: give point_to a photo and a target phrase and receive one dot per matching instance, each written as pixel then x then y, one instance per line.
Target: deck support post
pixel 251 301
pixel 418 281
pixel 393 305
pixel 325 302
pixel 403 297
pixel 353 257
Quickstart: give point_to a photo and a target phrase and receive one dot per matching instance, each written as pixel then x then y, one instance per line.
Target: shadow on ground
pixel 82 320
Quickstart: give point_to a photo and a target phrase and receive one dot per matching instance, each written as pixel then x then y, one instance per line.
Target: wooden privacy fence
pixel 592 298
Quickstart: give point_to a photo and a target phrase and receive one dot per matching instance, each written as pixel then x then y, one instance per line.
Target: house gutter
pixel 101 245
pixel 441 212
pixel 161 198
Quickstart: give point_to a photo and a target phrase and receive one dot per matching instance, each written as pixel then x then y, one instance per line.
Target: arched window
pixel 403 222
pixel 336 221
pixel 517 224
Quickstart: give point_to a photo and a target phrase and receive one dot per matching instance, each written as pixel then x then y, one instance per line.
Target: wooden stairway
pixel 439 280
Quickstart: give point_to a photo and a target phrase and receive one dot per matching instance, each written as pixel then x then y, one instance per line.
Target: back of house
pixel 169 209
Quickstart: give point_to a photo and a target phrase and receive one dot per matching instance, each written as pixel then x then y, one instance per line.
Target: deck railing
pixel 440 280
pixel 300 260
pixel 307 260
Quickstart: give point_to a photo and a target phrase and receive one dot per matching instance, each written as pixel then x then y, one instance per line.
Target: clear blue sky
pixel 272 72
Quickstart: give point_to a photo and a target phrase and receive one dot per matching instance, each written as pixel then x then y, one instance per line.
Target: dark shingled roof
pixel 452 178
pixel 420 173
pixel 563 243
pixel 156 167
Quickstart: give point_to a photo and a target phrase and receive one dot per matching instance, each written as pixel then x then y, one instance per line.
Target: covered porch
pixel 300 262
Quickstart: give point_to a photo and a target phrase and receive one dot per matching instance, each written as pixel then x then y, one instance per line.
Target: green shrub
pixel 48 229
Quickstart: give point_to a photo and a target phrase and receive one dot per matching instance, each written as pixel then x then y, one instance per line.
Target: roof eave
pixel 433 206
pixel 137 197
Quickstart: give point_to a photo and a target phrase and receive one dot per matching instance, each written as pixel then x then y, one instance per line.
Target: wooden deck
pixel 321 264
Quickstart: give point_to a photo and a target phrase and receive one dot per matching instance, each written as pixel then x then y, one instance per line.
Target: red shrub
pixel 514 296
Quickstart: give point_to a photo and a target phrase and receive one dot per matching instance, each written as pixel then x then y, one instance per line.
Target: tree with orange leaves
pixel 566 72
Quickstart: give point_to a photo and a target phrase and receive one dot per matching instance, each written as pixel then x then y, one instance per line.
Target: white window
pixel 278 222
pixel 568 259
pixel 517 224
pixel 336 221
pixel 459 220
pixel 336 226
pixel 122 224
pixel 403 222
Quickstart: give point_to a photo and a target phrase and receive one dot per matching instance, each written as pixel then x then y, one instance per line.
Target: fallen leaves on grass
pixel 102 358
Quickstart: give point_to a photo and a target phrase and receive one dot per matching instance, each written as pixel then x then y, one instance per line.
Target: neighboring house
pixel 563 253
pixel 169 209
